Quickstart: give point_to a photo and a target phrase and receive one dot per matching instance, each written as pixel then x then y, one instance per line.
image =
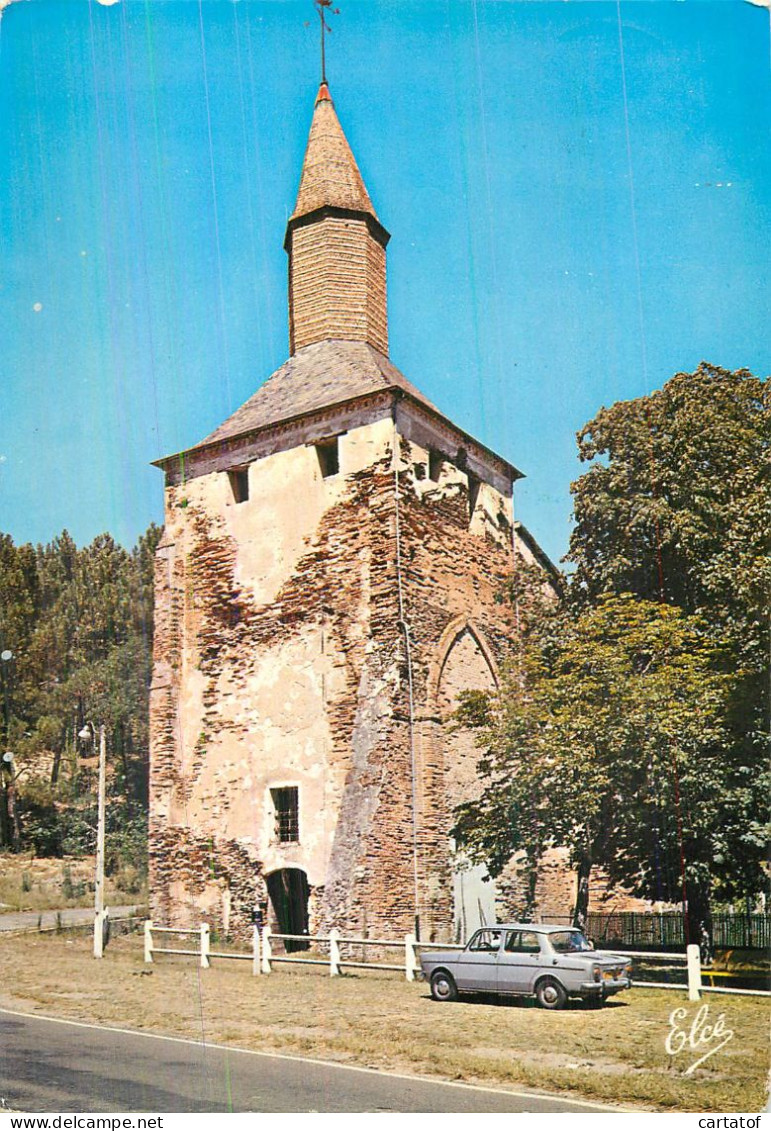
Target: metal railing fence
pixel 667 929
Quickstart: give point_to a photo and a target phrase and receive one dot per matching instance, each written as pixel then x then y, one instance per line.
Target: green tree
pixel 675 507
pixel 606 737
pixel 633 728
pixel 79 623
pixel 675 503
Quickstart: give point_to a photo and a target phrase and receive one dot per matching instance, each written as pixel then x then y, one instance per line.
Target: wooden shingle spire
pixel 336 244
pixel 330 174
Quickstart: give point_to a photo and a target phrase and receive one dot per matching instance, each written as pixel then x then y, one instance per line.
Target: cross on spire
pixel 322 6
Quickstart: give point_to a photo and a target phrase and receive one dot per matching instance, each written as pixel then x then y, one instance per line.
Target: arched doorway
pixel 466 665
pixel 288 892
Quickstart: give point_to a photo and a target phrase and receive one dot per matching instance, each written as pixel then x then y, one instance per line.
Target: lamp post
pixel 89 731
pixel 6 656
pixel 9 824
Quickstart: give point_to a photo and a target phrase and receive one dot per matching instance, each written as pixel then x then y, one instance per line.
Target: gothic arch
pixel 463 660
pixel 447 640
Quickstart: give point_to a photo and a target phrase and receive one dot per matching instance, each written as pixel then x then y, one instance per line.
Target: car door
pixel 519 962
pixel 477 965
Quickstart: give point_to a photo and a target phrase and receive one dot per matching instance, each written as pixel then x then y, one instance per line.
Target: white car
pixel 527 959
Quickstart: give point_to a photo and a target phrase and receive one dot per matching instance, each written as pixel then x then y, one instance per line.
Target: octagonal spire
pixel 336 244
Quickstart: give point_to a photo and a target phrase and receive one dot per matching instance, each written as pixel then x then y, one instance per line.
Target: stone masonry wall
pixel 282 658
pixel 257 659
pixel 449 574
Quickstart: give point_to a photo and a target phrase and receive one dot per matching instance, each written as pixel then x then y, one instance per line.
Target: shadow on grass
pixel 574 1005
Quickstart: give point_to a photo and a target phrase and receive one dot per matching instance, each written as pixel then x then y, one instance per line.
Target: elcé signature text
pixel 695 1037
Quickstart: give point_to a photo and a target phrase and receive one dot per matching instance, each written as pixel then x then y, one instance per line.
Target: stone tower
pixel 326 585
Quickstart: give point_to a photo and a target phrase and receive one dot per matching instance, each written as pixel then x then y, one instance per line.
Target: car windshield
pixel 566 942
pixel 485 940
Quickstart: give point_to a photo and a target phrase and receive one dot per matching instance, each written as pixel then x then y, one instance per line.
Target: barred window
pixel 286 805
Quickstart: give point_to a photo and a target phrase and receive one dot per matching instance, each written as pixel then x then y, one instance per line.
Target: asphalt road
pixel 60 1066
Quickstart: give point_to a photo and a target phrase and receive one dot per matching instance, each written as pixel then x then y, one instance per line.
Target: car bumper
pixel 605 988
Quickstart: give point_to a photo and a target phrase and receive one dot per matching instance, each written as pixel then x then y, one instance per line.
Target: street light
pixel 6 656
pixel 9 820
pixel 9 825
pixel 100 915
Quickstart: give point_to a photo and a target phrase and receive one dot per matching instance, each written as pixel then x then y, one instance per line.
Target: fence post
pixel 334 953
pixel 205 963
pixel 148 940
pixel 255 949
pixel 267 952
pixel 694 972
pixel 410 957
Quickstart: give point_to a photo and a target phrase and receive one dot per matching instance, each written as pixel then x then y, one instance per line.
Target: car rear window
pixel 522 942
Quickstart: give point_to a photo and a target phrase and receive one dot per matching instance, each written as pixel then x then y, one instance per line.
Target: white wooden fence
pixel 264 956
pixel 202 932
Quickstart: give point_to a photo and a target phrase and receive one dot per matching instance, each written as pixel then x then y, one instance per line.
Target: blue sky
pixel 578 196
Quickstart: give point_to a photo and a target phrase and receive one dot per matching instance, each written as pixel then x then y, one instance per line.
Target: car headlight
pixel 597 973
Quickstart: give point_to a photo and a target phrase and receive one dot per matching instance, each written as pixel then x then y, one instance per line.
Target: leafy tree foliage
pixel 632 729
pixel 676 506
pixel 79 625
pixel 606 738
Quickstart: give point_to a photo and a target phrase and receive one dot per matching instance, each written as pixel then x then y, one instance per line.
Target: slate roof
pixel 334 371
pixel 330 175
pixel 316 377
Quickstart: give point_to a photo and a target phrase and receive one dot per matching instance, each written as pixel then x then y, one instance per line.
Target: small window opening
pixel 503 522
pixel 286 804
pixel 329 457
pixel 435 465
pixel 420 471
pixel 473 494
pixel 239 484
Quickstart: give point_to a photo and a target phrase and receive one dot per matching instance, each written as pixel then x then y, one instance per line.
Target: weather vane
pixel 322 7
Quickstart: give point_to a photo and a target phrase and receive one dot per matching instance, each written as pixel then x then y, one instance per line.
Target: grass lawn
pixel 29 883
pixel 615 1054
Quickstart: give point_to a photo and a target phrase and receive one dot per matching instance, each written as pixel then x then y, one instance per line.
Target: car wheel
pixel 550 994
pixel 443 986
